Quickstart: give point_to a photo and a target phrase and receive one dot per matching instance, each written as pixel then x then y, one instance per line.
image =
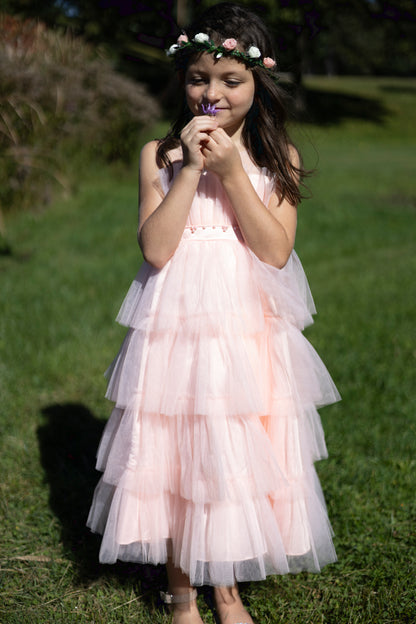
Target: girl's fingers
pixel 220 143
pixel 203 121
pixel 199 124
pixel 195 130
pixel 196 142
pixel 195 137
pixel 221 154
pixel 221 138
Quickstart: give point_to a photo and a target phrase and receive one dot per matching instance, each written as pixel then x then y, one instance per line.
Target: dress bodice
pixel 211 206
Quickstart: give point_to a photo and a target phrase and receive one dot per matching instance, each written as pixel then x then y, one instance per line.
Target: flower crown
pixel 202 43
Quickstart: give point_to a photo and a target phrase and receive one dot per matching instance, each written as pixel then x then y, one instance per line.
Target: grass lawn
pixel 60 290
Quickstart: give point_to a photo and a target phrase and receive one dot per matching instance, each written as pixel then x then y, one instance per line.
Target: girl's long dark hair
pixel 264 132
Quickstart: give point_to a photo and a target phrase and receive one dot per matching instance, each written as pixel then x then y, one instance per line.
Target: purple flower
pixel 209 109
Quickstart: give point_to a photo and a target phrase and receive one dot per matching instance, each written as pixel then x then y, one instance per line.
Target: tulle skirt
pixel 208 455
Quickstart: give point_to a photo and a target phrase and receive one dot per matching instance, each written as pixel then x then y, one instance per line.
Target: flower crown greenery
pixel 202 43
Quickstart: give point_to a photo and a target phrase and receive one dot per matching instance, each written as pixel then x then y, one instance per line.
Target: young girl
pixel 208 454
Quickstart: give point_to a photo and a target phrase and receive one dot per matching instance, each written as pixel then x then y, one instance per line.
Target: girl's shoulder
pixel 153 175
pixel 294 155
pixel 148 154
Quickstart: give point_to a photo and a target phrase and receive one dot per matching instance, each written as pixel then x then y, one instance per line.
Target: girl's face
pixel 225 82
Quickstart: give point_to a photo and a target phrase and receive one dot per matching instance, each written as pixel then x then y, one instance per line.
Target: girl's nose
pixel 211 93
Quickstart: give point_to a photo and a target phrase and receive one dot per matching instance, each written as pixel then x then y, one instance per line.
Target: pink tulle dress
pixel 208 454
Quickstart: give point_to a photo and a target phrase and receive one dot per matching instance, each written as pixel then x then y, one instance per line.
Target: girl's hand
pixel 194 137
pixel 221 154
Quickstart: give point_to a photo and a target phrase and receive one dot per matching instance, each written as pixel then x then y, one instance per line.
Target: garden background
pixel 75 108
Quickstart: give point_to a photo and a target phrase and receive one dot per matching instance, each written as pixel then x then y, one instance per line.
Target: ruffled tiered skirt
pixel 208 454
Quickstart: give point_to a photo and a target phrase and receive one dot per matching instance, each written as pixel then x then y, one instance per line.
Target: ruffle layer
pixel 214 278
pixel 226 496
pixel 213 334
pixel 233 538
pixel 202 372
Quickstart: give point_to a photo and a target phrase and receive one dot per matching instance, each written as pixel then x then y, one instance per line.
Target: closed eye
pixel 196 80
pixel 199 80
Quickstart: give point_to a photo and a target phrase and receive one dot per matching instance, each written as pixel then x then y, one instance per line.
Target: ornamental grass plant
pixel 61 105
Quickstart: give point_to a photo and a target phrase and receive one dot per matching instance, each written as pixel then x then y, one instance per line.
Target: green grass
pixel 60 291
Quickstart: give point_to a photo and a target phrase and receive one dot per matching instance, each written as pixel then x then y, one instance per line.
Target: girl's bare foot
pixel 186 614
pixel 229 606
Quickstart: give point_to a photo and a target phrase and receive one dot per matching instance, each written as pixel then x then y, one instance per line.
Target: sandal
pixel 178 598
pixel 178 606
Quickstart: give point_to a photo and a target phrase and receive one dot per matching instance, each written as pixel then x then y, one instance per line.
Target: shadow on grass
pixel 323 107
pixel 68 442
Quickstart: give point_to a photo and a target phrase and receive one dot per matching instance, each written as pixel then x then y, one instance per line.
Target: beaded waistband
pixel 212 232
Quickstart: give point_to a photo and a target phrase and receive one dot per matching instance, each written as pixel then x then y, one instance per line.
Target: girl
pixel 208 454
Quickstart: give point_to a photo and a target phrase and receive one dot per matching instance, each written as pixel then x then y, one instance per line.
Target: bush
pixel 60 99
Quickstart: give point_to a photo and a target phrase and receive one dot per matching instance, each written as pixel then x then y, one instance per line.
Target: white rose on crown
pixel 173 49
pixel 201 38
pixel 253 52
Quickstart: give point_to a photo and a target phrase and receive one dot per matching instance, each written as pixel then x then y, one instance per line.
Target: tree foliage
pixel 315 36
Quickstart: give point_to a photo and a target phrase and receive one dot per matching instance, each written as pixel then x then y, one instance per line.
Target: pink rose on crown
pixel 268 62
pixel 229 44
pixel 182 39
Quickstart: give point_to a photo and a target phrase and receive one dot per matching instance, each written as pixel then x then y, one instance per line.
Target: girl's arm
pixel 268 231
pixel 162 221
